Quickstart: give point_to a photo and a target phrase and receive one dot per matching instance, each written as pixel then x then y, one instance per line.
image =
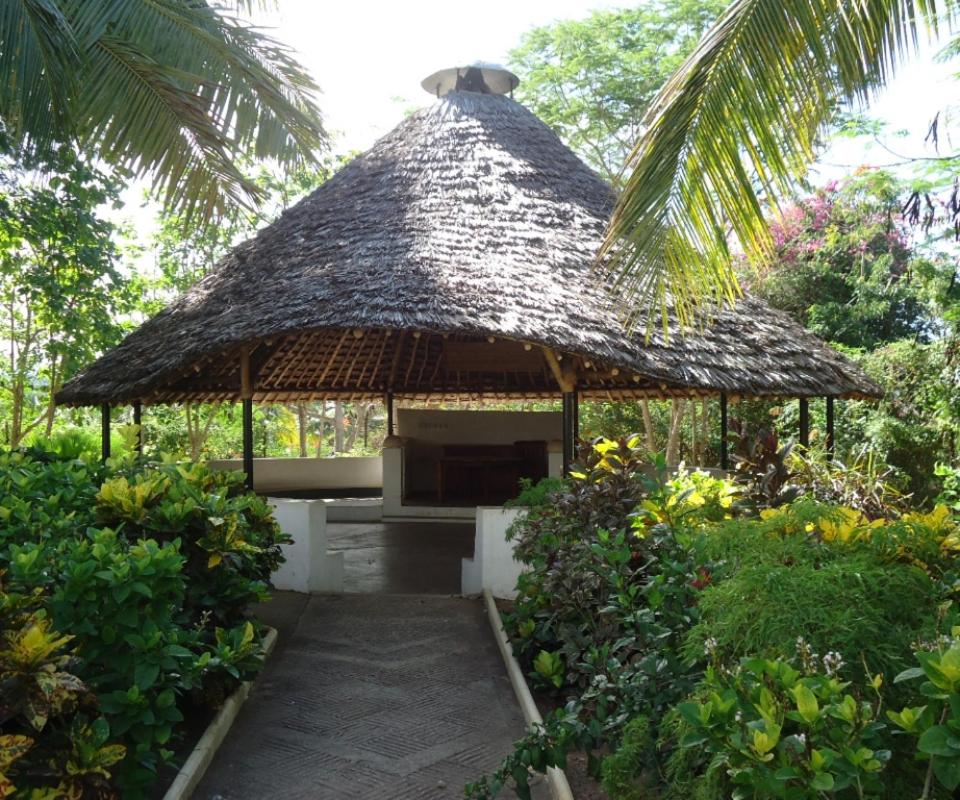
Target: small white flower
pixel 832 662
pixel 710 645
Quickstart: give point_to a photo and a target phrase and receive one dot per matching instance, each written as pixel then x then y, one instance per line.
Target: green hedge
pixel 125 604
pixel 699 645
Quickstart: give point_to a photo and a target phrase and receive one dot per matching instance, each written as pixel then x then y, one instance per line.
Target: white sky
pixel 369 56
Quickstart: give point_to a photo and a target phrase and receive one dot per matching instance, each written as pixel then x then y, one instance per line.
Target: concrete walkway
pixel 401 557
pixel 370 697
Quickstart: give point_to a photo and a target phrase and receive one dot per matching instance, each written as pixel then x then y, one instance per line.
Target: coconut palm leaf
pixel 739 122
pixel 174 89
pixel 39 55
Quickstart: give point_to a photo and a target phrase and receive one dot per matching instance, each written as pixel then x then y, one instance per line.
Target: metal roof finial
pixel 480 76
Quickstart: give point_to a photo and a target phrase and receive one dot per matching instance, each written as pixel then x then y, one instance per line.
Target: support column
pixel 569 429
pixel 831 446
pixel 104 431
pixel 804 422
pixel 389 404
pixel 576 422
pixel 138 421
pixel 566 376
pixel 724 434
pixel 246 395
pixel 248 442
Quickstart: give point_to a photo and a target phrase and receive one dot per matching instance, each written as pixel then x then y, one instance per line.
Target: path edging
pixel 193 769
pixel 556 778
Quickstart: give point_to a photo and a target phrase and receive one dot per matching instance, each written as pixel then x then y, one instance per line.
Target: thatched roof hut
pixel 454 258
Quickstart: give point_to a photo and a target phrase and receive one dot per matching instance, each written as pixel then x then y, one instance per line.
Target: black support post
pixel 248 442
pixel 569 429
pixel 831 426
pixel 105 431
pixel 138 421
pixel 724 434
pixel 246 397
pixel 804 422
pixel 389 404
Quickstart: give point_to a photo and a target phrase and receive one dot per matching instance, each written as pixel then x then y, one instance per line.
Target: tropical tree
pixel 592 79
pixel 174 89
pixel 62 294
pixel 182 255
pixel 737 126
pixel 844 265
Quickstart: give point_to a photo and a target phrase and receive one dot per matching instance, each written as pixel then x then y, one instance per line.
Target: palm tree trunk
pixel 302 427
pixel 338 427
pixel 673 442
pixel 651 434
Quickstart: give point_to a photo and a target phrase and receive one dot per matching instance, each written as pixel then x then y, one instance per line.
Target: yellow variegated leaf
pixel 12 747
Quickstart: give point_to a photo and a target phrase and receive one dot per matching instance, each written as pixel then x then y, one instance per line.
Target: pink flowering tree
pixel 844 265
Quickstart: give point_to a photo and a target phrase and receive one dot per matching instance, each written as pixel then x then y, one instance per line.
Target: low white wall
pixel 554 462
pixel 291 474
pixel 308 566
pixel 493 566
pixel 392 480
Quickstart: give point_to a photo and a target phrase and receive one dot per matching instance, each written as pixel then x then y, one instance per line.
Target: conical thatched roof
pixel 440 263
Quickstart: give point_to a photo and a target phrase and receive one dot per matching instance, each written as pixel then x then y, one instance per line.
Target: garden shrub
pixel 227 536
pixel 601 615
pixel 863 483
pixel 770 729
pixel 935 725
pixel 859 594
pixel 663 615
pixel 771 474
pixel 770 587
pixel 627 772
pixel 857 606
pixel 535 494
pixel 151 569
pixel 949 486
pixel 53 743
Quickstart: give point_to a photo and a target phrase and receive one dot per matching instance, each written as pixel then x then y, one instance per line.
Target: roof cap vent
pixel 478 77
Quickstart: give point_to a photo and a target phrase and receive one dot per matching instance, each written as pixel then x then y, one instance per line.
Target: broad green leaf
pixel 806 702
pixel 822 782
pixel 935 741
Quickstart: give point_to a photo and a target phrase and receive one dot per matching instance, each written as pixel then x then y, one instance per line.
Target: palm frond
pixel 178 89
pixel 145 118
pixel 39 56
pixel 738 122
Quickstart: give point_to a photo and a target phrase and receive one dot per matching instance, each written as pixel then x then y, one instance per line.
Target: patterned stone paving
pixel 373 697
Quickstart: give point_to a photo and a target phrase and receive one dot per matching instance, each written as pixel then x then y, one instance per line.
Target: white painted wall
pixel 493 566
pixel 478 427
pixel 309 567
pixel 291 474
pixel 392 479
pixel 555 458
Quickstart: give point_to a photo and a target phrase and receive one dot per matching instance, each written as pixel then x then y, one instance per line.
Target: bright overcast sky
pixel 369 56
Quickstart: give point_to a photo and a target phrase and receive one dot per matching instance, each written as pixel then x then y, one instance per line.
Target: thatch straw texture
pixel 440 264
